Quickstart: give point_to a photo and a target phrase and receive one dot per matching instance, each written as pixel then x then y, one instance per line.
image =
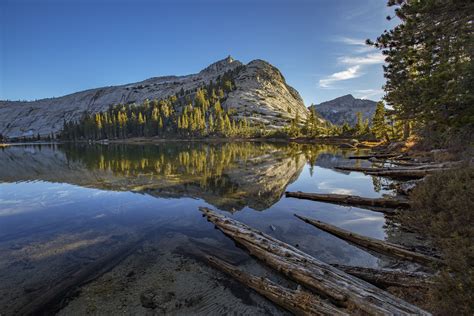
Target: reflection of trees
pixel 227 175
pixel 167 160
pixel 237 174
pixel 206 161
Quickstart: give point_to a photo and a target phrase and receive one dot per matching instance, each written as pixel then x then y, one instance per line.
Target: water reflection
pixel 65 208
pixel 229 176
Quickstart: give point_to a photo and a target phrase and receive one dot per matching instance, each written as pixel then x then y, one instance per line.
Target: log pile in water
pixel 376 245
pixel 351 200
pixel 343 290
pixel 300 302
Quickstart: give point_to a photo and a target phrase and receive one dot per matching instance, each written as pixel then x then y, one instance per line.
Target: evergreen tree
pixel 379 126
pixel 430 69
pixel 359 126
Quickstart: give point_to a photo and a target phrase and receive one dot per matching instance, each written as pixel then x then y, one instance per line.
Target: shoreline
pixel 331 140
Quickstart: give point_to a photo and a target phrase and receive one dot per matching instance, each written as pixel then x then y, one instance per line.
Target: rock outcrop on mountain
pixel 261 95
pixel 345 108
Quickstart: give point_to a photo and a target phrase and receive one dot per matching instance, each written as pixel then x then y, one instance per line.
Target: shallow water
pixel 64 207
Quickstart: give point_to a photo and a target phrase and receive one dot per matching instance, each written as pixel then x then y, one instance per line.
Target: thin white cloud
pixel 369 93
pixel 349 73
pixel 369 59
pixel 360 45
pixel 361 56
pixel 351 41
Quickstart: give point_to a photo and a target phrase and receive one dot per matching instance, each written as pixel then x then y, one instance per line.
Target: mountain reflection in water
pixel 64 208
pixel 229 176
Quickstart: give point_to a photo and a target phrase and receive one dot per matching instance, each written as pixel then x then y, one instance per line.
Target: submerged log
pixel 339 287
pixel 376 245
pixel 389 277
pixel 299 302
pixel 49 301
pixel 350 199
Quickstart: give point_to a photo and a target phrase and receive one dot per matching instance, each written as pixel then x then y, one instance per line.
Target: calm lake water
pixel 132 210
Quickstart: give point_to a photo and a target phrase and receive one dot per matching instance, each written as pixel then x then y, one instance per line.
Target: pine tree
pixel 211 124
pixel 379 126
pixel 359 126
pixel 346 129
pixel 430 69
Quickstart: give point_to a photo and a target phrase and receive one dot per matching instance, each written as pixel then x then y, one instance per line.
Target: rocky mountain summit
pixel 345 108
pixel 261 95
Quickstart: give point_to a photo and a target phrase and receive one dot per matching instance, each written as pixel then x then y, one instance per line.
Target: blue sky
pixel 52 48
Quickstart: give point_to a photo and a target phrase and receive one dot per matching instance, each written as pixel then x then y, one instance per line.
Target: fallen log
pixel 376 245
pixel 398 162
pixel 342 289
pixel 350 199
pixel 377 156
pixel 388 277
pixel 406 174
pixel 299 302
pixel 380 169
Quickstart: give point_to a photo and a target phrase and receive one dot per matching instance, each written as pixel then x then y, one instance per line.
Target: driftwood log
pixel 406 174
pixel 376 245
pixel 342 289
pixel 350 199
pixel 299 302
pixel 407 163
pixel 397 162
pixel 379 169
pixel 377 156
pixel 389 277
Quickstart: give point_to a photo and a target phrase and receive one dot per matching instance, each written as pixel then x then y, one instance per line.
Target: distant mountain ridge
pixel 345 108
pixel 261 95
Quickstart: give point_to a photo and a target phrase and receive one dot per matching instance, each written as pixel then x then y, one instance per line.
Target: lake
pixel 124 221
